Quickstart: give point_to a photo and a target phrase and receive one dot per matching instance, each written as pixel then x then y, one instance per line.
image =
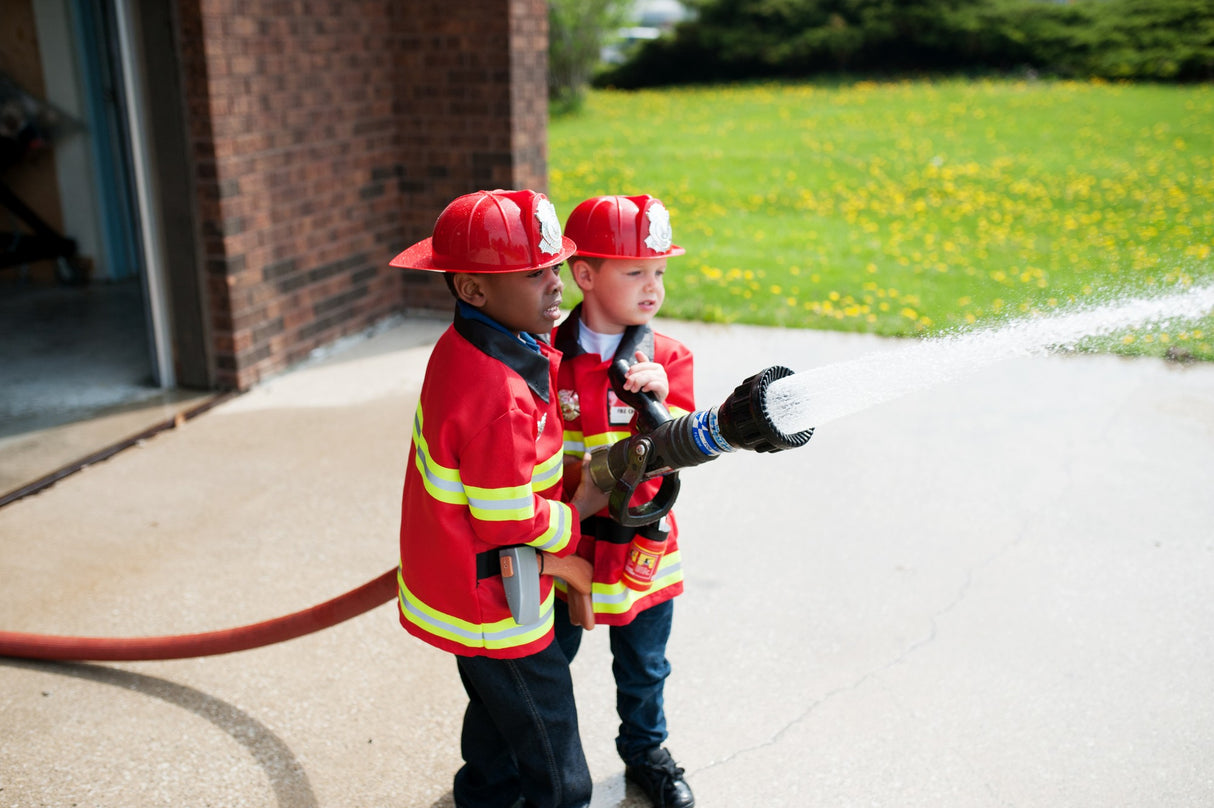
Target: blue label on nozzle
pixel 706 433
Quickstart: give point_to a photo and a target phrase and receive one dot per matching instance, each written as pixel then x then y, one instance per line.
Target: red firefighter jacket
pixel 484 472
pixel 594 417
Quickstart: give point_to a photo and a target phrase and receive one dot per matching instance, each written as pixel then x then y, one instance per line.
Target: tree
pixel 577 30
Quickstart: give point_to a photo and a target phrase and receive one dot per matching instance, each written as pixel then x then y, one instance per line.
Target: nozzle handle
pixel 636 472
pixel 650 411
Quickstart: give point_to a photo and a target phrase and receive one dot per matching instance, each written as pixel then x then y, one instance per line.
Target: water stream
pixel 815 397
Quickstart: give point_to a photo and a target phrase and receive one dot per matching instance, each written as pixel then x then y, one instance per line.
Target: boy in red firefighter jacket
pixel 622 246
pixel 485 472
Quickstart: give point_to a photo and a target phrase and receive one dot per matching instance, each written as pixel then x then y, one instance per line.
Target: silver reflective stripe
pixel 623 594
pixel 559 537
pixel 549 478
pixel 473 639
pixel 435 481
pixel 518 503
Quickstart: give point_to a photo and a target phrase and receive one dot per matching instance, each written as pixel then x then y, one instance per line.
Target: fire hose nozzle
pixel 740 422
pixel 746 422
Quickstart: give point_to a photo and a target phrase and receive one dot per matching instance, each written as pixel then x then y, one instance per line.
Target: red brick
pixel 328 136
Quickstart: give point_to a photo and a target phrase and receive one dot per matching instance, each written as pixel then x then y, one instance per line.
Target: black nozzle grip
pixel 650 411
pixel 654 509
pixel 635 472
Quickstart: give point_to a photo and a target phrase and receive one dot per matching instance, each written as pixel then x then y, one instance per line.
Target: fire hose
pixel 288 627
pixel 662 447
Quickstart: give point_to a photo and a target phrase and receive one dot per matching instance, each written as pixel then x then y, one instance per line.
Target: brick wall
pixel 327 136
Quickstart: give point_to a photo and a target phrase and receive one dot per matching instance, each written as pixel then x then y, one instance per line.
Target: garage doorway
pixel 85 321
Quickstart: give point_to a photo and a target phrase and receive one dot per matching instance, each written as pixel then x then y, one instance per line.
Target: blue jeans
pixel 639 664
pixel 520 735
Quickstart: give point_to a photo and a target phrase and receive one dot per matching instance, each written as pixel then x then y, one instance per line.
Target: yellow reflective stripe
pixel 574 444
pixel 441 482
pixel 548 472
pixel 509 503
pixel 516 502
pixel 559 531
pixel 679 412
pixel 606 439
pixel 501 634
pixel 513 503
pixel 619 599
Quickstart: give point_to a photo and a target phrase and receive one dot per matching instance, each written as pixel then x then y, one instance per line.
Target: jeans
pixel 639 664
pixel 520 735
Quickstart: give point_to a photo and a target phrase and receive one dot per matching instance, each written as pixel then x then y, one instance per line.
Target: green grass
pixel 911 207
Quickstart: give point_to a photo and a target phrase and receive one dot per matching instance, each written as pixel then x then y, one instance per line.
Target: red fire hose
pixel 288 627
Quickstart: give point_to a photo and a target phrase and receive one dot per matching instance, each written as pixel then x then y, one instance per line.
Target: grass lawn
pixel 911 207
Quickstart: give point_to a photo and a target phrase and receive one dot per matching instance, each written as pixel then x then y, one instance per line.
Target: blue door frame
pixel 106 123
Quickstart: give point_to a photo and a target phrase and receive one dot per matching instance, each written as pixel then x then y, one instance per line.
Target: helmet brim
pixel 673 251
pixel 421 256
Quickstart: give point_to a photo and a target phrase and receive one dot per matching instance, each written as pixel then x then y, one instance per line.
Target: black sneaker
pixel 661 780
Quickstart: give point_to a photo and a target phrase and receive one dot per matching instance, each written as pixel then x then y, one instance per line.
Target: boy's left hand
pixel 647 376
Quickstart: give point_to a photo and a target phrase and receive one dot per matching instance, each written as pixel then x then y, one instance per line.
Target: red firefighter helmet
pixel 622 227
pixel 491 231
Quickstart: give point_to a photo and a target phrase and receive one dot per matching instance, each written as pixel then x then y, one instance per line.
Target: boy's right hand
pixel 647 377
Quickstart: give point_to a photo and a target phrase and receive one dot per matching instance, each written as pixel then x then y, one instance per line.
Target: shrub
pixel 744 39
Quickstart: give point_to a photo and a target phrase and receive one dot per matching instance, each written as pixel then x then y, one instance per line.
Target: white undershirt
pixel 604 345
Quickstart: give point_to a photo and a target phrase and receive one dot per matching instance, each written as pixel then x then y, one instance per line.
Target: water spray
pixel 820 395
pixel 666 444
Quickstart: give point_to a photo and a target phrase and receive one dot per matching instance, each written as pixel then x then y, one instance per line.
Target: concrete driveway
pixel 995 592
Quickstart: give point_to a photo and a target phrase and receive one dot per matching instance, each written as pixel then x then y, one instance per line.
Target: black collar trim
pixel 507 349
pixel 636 338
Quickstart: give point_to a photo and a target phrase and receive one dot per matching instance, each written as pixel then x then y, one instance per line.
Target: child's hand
pixel 588 499
pixel 647 376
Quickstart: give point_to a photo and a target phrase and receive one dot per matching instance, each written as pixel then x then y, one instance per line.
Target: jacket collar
pixel 494 340
pixel 636 338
